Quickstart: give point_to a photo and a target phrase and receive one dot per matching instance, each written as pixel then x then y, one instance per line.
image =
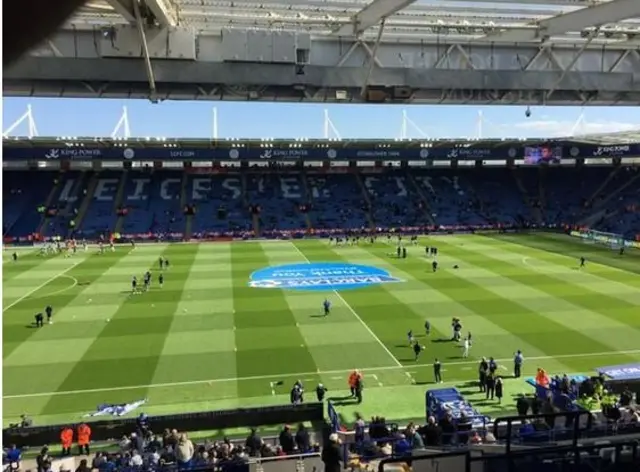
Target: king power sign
pixel 603 151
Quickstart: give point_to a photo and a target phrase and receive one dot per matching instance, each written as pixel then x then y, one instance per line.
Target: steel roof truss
pixel 371 15
pixel 124 8
pixel 164 11
pixel 360 43
pixel 575 21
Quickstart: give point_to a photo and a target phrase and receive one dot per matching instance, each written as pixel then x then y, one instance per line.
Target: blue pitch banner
pixel 20 153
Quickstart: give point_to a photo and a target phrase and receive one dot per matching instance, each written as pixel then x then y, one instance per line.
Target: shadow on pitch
pixel 345 400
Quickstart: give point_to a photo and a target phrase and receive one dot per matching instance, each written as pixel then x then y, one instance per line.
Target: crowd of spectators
pixel 388 439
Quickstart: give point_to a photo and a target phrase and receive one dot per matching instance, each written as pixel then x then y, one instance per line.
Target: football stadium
pixel 215 304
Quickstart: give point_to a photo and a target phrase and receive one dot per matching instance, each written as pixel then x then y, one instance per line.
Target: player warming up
pixel 326 307
pixel 410 337
pixel 147 281
pixel 417 349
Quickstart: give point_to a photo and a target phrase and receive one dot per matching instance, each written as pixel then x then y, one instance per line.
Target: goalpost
pixel 613 240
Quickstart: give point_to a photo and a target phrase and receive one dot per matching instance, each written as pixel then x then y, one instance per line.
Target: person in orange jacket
pixel 66 439
pixel 84 437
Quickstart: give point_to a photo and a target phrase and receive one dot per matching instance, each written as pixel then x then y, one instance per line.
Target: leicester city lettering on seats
pixel 320 276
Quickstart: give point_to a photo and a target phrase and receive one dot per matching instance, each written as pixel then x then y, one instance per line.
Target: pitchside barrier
pixel 277 235
pixel 103 430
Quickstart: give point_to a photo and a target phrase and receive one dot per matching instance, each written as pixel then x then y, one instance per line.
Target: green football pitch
pixel 208 340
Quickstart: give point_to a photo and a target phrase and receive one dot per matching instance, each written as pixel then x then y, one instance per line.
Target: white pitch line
pixel 353 312
pixel 375 377
pixel 44 284
pixel 302 374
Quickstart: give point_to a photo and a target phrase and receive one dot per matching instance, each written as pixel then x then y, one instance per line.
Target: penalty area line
pixel 303 374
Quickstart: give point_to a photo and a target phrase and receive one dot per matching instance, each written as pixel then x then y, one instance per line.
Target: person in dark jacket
pixel 286 440
pixel 483 369
pixel 43 461
pixel 431 433
pixel 491 386
pixel 253 443
pixel 499 391
pixel 302 439
pixel 331 455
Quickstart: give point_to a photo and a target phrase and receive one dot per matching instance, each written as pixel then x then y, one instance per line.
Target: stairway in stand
pixel 86 201
pixel 256 225
pixel 47 204
pixel 308 200
pixel 423 198
pixel 188 224
pixel 535 210
pixel 365 195
pixel 542 194
pixel 117 203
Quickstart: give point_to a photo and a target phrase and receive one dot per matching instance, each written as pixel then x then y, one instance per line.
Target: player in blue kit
pixel 326 306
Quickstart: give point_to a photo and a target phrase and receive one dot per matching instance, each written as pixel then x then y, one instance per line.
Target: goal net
pixel 612 240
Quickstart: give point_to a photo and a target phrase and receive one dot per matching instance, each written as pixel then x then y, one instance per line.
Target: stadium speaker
pixel 376 96
pixel 402 93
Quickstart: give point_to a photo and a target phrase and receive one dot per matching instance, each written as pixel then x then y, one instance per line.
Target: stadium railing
pixel 293 463
pixel 621 456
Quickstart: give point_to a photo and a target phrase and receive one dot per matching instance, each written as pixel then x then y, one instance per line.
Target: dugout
pixel 102 430
pixel 620 377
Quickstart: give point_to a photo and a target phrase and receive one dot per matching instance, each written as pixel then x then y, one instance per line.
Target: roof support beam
pixel 145 51
pixel 371 15
pixel 164 11
pixel 575 21
pixel 124 8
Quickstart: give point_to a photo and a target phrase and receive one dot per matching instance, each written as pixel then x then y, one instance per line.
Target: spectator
pixel 83 466
pixel 403 447
pixel 432 432
pixel 414 437
pixel 14 456
pixel 43 461
pixel 136 459
pixel 184 451
pixel 331 455
pixel 286 440
pixel 302 439
pixel 253 442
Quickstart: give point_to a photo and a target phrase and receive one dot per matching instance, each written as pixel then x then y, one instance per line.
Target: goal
pixel 613 240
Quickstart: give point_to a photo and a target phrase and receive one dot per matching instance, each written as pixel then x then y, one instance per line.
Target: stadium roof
pixel 559 21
